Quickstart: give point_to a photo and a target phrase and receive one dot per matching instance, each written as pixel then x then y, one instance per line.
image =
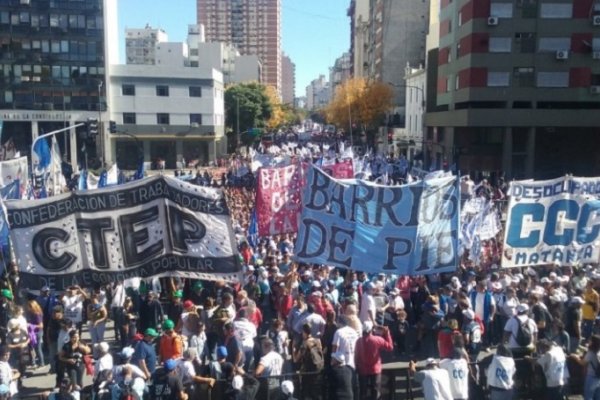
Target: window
pixel 129 118
pixel 554 44
pixel 524 76
pixel 196 119
pixel 556 10
pixel 128 90
pixel 162 119
pixel 501 10
pixel 498 79
pixel 162 90
pixel 500 44
pixel 525 42
pixel 195 91
pixel 552 79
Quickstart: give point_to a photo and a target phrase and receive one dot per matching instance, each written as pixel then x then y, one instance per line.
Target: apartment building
pixel 288 80
pixel 252 26
pixel 517 87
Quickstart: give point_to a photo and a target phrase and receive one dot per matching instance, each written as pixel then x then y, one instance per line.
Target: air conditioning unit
pixel 595 89
pixel 596 55
pixel 562 54
pixel 595 20
pixel 492 21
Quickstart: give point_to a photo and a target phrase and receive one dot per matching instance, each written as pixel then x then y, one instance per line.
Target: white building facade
pixel 175 115
pixel 410 139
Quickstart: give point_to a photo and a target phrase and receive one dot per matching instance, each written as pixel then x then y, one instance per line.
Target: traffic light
pixel 112 126
pixel 92 127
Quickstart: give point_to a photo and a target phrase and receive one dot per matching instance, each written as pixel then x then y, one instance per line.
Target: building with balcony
pixel 253 27
pixel 54 59
pixel 517 87
pixel 176 115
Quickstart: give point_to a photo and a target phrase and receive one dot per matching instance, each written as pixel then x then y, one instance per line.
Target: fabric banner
pixel 14 169
pixel 340 170
pixel 406 230
pixel 552 222
pixel 157 226
pixel 278 199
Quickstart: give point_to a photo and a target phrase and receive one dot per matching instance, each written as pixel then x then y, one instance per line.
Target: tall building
pixel 359 37
pixel 340 72
pixel 252 26
pixel 54 60
pixel 318 93
pixel 396 38
pixel 517 87
pixel 288 80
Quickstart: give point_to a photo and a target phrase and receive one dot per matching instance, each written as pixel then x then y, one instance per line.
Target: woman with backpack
pixel 310 358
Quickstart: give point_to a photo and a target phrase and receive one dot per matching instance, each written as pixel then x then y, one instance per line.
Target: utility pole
pixel 237 118
pixel 100 126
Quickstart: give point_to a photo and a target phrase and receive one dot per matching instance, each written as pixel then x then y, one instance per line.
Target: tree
pixel 277 114
pixel 359 102
pixel 254 106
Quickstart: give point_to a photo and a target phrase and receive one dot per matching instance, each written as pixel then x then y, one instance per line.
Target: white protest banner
pixel 13 169
pixel 552 221
pixel 405 230
pixel 159 226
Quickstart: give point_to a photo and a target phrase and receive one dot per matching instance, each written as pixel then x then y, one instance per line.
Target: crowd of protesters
pixel 479 329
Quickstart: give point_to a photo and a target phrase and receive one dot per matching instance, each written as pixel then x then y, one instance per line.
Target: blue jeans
pixel 39 352
pixel 590 388
pixel 587 325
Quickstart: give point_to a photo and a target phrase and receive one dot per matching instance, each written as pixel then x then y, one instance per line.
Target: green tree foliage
pixel 254 106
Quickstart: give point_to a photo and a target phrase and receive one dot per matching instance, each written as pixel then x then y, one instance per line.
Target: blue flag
pixel 139 173
pixel 43 152
pixel 43 193
pixel 253 230
pixel 103 179
pixel 12 191
pixel 82 184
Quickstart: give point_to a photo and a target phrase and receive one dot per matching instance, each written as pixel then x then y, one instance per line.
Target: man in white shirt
pixel 511 331
pixel 116 311
pixel 435 381
pixel 368 307
pixel 344 342
pixel 315 320
pixel 271 364
pixel 245 332
pixel 73 303
pixel 458 373
pixel 553 363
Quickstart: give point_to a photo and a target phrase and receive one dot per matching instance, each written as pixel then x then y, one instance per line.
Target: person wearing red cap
pixel 188 323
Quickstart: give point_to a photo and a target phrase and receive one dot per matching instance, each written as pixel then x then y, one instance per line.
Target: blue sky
pixel 314 32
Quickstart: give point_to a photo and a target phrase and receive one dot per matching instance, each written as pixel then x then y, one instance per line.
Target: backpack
pixel 314 357
pixel 524 335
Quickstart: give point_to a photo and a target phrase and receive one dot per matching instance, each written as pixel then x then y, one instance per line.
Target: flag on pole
pixel 139 173
pixel 112 176
pixel 253 230
pixel 56 180
pixel 42 155
pixel 82 184
pixel 102 180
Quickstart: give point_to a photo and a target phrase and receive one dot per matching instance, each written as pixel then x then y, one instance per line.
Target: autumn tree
pixel 360 102
pixel 277 114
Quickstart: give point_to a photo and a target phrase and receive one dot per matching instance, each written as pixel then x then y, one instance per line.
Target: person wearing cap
pixel 590 309
pixel 500 374
pixel 309 355
pixel 188 321
pixel 367 358
pixel 434 380
pixel 17 341
pixel 311 317
pixel 73 305
pixel 7 375
pixel 151 312
pixel 471 331
pixel 341 387
pixel 287 390
pixel 573 322
pixel 187 373
pixel 144 355
pixel 171 344
pixel 97 316
pixel 553 361
pixel 167 382
pixel 175 307
pixel 511 329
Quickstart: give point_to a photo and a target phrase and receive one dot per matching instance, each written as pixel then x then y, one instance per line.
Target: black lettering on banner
pixel 441 247
pixel 362 202
pixel 388 206
pixel 97 228
pixel 132 238
pixel 343 245
pixel 309 224
pixel 318 186
pixel 417 192
pixel 337 198
pixel 184 228
pixel 41 249
pixel 396 247
pixel 449 206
